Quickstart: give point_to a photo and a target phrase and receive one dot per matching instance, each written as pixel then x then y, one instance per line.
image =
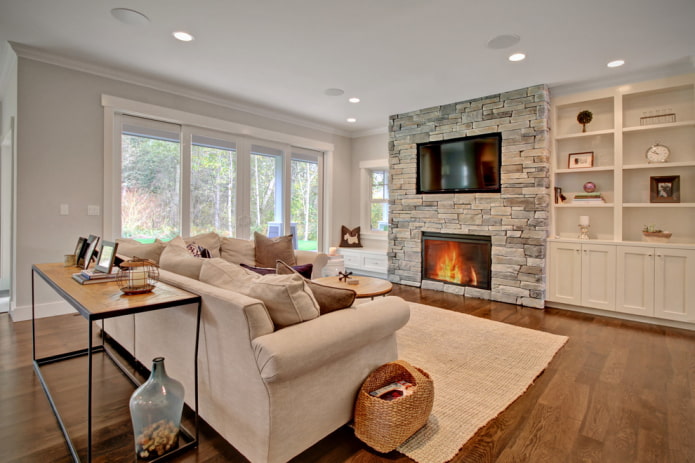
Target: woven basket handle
pixel 414 371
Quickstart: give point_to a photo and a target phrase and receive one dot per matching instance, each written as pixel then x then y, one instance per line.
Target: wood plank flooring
pixel 617 392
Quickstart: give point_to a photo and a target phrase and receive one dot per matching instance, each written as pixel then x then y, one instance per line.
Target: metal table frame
pixel 192 439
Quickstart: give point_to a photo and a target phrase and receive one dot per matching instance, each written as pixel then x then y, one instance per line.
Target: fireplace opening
pixel 463 260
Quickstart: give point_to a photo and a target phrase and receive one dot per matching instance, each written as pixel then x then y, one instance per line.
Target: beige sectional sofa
pixel 270 392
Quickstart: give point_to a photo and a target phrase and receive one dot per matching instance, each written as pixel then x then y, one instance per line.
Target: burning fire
pixel 450 266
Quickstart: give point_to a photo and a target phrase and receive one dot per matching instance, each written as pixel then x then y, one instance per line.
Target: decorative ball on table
pixel 585 117
pixel 589 187
pixel 137 276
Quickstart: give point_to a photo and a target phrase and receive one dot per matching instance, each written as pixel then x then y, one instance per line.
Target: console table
pixel 99 302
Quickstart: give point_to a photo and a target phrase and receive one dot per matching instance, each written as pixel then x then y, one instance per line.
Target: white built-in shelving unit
pixel 622 174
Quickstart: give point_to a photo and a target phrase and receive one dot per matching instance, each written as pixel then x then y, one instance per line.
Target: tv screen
pixel 460 165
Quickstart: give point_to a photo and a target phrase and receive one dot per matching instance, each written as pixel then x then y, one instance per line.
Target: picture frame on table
pixel 81 241
pixel 665 189
pixel 85 258
pixel 580 160
pixel 107 255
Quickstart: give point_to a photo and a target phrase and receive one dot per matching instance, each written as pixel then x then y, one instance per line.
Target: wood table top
pixel 104 300
pixel 367 287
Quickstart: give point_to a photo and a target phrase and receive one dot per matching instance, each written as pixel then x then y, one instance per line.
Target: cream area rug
pixel 479 367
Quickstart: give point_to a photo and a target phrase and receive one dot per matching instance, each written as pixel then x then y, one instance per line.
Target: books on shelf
pixel 394 391
pixel 588 197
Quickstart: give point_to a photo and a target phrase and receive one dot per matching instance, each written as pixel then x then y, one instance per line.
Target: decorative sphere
pixel 589 187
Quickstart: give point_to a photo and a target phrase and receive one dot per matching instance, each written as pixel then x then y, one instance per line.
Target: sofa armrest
pixel 297 349
pixel 317 259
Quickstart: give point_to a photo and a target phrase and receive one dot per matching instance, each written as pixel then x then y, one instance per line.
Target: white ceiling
pixel 396 55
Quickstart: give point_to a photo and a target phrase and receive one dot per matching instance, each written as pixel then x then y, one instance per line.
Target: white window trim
pixel 365 199
pixel 114 105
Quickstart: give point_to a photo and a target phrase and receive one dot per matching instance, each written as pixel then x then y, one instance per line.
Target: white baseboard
pixel 48 309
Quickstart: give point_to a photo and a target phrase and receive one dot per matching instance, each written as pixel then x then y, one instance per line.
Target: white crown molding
pixel 682 66
pixel 369 132
pixel 36 54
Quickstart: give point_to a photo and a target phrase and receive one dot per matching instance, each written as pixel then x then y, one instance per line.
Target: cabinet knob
pixel 659 255
pixel 649 255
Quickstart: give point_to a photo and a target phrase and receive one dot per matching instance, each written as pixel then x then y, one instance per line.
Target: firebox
pixel 463 260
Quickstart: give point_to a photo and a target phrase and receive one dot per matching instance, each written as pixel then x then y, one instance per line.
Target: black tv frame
pixel 497 135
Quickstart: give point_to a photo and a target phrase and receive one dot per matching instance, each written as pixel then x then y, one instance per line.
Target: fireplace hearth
pixel 463 260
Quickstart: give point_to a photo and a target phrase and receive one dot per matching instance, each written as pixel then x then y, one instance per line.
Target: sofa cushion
pixel 176 258
pixel 269 250
pixel 328 297
pixel 132 248
pixel 238 251
pixel 210 241
pixel 304 270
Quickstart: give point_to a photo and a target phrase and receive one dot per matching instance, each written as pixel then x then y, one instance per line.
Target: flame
pixel 451 266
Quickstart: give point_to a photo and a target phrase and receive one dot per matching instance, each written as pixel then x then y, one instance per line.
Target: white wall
pixel 60 159
pixel 368 148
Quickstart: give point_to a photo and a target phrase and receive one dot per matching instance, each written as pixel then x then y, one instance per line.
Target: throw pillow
pixel 176 258
pixel 327 297
pixel 238 251
pixel 132 248
pixel 198 251
pixel 268 250
pixel 210 241
pixel 304 270
pixel 350 238
pixel 287 297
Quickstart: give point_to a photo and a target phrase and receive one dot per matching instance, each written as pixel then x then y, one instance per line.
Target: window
pixel 150 174
pixel 304 198
pixel 184 180
pixel 378 200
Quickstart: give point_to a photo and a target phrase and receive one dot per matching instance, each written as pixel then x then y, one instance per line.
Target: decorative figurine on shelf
pixel 589 187
pixel 584 117
pixel 344 276
pixel 584 227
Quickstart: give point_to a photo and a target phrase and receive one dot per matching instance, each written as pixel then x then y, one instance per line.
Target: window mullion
pixel 186 136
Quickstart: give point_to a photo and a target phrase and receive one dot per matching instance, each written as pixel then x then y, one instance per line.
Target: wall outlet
pixel 64 209
pixel 93 210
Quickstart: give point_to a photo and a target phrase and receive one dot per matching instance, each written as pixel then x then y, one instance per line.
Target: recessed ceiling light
pixel 334 91
pixel 128 16
pixel 183 36
pixel 351 120
pixel 354 100
pixel 517 57
pixel 616 63
pixel 503 41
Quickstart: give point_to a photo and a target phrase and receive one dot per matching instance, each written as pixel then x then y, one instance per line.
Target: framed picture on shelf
pixel 580 160
pixel 107 254
pixel 665 189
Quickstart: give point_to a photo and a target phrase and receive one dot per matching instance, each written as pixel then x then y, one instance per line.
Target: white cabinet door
pixel 565 273
pixel 674 277
pixel 598 276
pixel 635 280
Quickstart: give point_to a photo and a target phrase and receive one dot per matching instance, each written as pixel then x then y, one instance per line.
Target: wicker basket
pixel 384 425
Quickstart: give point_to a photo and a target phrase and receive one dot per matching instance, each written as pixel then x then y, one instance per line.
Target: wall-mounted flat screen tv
pixel 460 165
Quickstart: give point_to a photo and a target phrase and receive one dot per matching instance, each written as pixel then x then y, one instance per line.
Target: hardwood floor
pixel 617 392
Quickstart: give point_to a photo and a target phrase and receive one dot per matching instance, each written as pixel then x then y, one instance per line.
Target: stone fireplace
pixel 463 260
pixel 515 221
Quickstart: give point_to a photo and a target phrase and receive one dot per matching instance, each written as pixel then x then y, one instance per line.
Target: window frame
pixel 366 168
pixel 242 135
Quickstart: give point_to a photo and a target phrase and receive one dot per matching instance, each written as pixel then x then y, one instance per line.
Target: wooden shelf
pixel 582 204
pixel 656 165
pixel 659 205
pixel 585 169
pixel 642 128
pixel 585 134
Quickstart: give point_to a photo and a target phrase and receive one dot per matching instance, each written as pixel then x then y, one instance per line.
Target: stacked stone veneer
pixel 516 219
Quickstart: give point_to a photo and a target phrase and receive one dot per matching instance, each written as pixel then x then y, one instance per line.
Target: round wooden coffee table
pixel 367 287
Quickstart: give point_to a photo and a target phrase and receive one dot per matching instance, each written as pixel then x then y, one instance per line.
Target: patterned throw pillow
pixel 350 238
pixel 198 251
